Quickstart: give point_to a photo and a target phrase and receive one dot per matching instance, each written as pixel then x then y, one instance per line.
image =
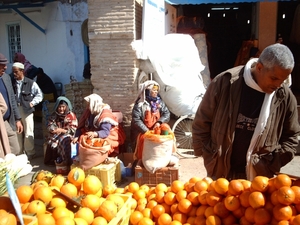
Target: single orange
pixel 164 219
pixel 260 183
pixel 135 217
pixel 24 193
pixel 257 199
pixel 185 206
pixel 91 184
pixel 262 216
pixel 221 186
pixel 157 210
pixel 213 220
pixel 85 213
pixel 76 176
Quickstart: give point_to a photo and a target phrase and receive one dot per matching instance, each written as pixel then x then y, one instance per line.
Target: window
pixel 14 39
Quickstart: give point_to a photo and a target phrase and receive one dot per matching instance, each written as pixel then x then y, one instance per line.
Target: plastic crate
pixel 107 173
pixel 165 175
pixel 122 217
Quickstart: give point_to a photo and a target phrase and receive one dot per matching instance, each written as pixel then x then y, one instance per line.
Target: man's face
pixel 3 67
pixel 18 73
pixel 270 80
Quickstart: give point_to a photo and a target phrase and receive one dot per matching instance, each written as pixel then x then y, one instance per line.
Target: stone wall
pixel 112 27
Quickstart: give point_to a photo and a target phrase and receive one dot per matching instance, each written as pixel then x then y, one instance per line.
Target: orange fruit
pixel 229 220
pixel 220 210
pixel 249 214
pixel 80 221
pixel 146 221
pixel 180 217
pixel 285 195
pixel 246 184
pixel 189 187
pixel 85 213
pixel 181 194
pixel 273 198
pixel 157 210
pixel 296 190
pixel 147 213
pixel 176 186
pixel 69 189
pixel 36 207
pixel 43 193
pixel 174 208
pixel 108 189
pixel 201 210
pixel 244 198
pixel 209 211
pixel 282 180
pixel 164 219
pixel 60 211
pixel 161 187
pixel 132 203
pixel 65 221
pixel 235 187
pixel 117 199
pixel 282 212
pixel 185 206
pixel 57 201
pixel 200 185
pixel 91 201
pixel 193 198
pixel 208 180
pixel 260 183
pixel 213 220
pixel 244 221
pixel 108 209
pixel 133 187
pixel 139 194
pixel 151 204
pixel 38 184
pixel 170 198
pixel 240 212
pixel 296 220
pixel 58 181
pixel 91 184
pixel 256 199
pixel 202 197
pixel 194 179
pixel 142 201
pixel 24 207
pixel 232 202
pixel 45 219
pixel 221 186
pixel 135 217
pixel 76 176
pixel 271 187
pixel 212 197
pixel 99 220
pixel 24 193
pixel 7 218
pixel 159 196
pixel 262 216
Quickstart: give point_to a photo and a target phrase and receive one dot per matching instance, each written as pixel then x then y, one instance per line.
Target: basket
pixel 76 92
pixel 107 173
pixel 164 175
pixel 122 217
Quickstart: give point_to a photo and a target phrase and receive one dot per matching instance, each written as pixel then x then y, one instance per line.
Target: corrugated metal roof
pixel 198 2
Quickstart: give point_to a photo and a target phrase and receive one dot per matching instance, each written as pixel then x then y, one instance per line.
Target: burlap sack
pixel 91 155
pixel 157 150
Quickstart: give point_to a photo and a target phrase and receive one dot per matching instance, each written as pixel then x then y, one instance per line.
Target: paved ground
pixel 188 167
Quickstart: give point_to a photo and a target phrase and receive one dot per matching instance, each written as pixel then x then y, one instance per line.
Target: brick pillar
pixel 112 26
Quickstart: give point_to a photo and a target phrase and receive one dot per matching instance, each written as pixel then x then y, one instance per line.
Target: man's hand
pixel 19 126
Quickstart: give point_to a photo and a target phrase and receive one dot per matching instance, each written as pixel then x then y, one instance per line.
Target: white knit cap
pixel 18 65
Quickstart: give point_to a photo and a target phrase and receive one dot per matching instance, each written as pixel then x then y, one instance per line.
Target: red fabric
pixel 151 118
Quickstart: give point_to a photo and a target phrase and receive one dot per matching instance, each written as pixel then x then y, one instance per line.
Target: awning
pixel 198 2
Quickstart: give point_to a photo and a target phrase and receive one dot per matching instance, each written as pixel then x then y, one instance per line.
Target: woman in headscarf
pixel 98 121
pixel 149 112
pixel 62 125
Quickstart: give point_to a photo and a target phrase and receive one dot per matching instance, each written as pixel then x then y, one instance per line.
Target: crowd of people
pixel 246 125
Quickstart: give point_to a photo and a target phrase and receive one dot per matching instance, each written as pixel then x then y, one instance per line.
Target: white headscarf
pixel 262 119
pixel 96 104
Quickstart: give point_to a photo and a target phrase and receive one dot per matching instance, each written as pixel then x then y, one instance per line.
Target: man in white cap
pixel 28 94
pixel 12 117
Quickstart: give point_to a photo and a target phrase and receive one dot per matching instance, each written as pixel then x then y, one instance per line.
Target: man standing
pixel 247 123
pixel 28 94
pixel 12 117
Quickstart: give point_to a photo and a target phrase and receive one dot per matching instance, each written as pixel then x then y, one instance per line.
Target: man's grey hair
pixel 277 55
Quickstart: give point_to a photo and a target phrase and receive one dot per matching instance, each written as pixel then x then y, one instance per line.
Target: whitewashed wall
pixel 60 52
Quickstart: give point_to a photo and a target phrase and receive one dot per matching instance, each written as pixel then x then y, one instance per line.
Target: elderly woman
pixel 62 125
pixel 148 113
pixel 98 121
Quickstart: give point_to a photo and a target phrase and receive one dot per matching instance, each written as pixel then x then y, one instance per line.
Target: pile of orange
pixel 200 201
pixel 99 204
pixel 207 202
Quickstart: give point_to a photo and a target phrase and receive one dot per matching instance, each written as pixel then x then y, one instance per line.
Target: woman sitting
pixel 98 121
pixel 148 113
pixel 62 125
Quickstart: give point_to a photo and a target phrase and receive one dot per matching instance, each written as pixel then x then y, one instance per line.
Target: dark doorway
pixel 226 26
